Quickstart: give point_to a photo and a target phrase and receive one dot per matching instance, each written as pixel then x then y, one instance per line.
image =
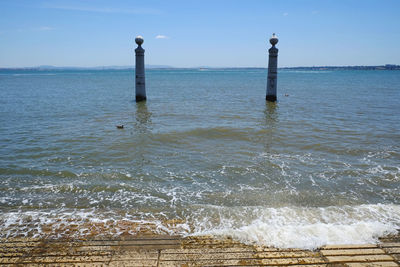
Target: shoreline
pixel 110 229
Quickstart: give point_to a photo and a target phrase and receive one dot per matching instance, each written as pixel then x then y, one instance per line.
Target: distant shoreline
pixel 315 68
pixel 379 67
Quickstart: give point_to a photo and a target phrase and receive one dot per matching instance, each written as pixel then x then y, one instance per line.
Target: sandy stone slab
pixel 68 249
pixel 206 256
pixel 16 250
pixel 214 242
pixel 344 252
pixel 64 264
pixel 79 261
pixel 96 239
pixel 373 264
pixel 246 262
pixel 146 263
pixel 396 257
pixel 130 242
pixel 19 244
pixel 362 258
pixel 288 254
pixel 292 261
pixel 350 246
pixel 119 249
pixel 58 259
pixel 133 263
pixel 56 254
pixel 392 250
pixel 129 255
pixel 207 250
pixel 56 265
pixel 19 239
pixel 268 249
pixel 389 244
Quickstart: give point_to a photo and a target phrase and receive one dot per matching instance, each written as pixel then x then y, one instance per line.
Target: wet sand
pixel 166 250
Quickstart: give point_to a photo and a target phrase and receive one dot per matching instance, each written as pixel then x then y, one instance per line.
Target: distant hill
pixel 380 67
pixel 50 67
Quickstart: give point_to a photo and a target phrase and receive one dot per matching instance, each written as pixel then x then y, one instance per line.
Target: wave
pixel 285 227
pixel 306 228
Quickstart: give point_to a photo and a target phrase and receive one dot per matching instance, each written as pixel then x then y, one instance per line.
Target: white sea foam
pixel 308 236
pixel 285 227
pixel 307 228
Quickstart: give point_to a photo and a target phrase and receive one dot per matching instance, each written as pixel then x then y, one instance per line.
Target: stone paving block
pixel 361 258
pixel 333 252
pixel 373 264
pixel 350 246
pixel 389 244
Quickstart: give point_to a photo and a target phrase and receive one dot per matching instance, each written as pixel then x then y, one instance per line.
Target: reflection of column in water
pixel 271 114
pixel 141 138
pixel 271 121
pixel 142 117
pixel 142 113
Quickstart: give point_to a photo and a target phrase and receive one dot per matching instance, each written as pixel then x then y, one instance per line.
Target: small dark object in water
pixel 286 94
pixel 120 126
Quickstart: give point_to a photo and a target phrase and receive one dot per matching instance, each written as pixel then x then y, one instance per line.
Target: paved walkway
pixel 194 251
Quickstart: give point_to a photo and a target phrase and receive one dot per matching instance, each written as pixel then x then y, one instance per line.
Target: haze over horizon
pixel 191 33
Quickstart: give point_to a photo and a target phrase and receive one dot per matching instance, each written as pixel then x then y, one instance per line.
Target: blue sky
pixel 217 33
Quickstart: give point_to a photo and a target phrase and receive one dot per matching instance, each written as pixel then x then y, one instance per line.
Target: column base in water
pixel 140 98
pixel 271 98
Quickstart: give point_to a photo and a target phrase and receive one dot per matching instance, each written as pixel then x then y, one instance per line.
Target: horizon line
pixel 194 67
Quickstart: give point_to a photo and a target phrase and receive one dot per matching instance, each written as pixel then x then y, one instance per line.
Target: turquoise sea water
pixel 320 166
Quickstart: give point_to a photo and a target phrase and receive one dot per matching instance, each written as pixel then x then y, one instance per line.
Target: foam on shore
pixel 286 227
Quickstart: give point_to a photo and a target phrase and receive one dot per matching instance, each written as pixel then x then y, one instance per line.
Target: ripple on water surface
pixel 315 168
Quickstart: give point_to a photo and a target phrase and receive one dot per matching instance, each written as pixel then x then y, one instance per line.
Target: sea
pixel 204 155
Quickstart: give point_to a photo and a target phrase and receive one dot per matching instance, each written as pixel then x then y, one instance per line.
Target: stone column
pixel 272 70
pixel 139 71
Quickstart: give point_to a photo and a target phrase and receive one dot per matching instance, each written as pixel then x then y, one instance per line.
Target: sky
pixel 216 33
